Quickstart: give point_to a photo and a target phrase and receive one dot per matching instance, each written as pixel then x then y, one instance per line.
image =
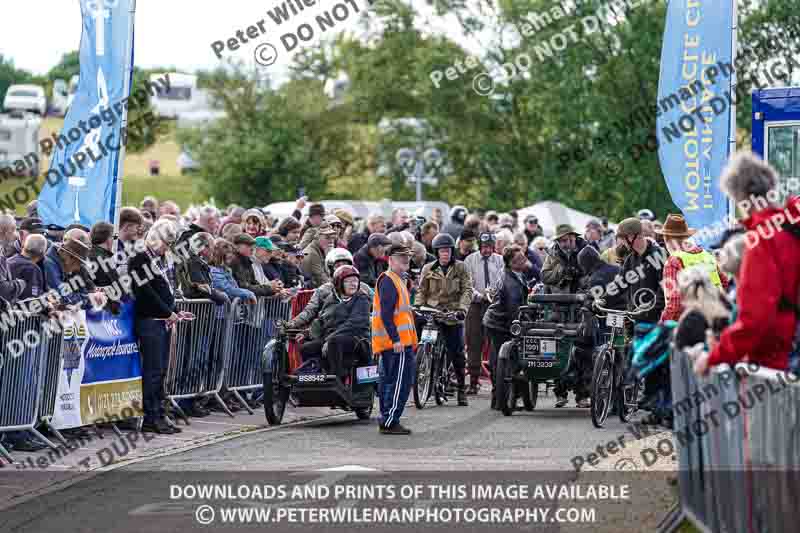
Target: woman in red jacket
pixel 770 271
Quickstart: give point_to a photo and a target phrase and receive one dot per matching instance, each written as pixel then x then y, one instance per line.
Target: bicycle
pixel 432 372
pixel 610 365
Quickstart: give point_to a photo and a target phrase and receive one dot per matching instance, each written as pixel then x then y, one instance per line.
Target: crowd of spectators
pixel 248 253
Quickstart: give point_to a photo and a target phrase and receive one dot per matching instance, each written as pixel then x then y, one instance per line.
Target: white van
pixel 19 141
pixel 26 98
pixel 58 102
pixel 183 96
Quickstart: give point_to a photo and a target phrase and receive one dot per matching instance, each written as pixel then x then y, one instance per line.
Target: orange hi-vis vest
pixel 403 317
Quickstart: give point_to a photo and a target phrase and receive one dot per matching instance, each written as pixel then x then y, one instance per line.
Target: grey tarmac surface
pixel 450 446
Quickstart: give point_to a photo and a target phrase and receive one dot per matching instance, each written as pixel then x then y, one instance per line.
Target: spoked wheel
pixel 506 399
pixel 529 399
pixel 442 378
pixel 602 386
pixel 422 385
pixel 276 394
pixel 629 400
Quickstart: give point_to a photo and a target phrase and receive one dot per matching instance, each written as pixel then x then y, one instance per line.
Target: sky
pixel 168 32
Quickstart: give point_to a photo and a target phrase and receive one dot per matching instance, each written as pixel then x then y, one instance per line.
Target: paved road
pixel 450 446
pixel 444 438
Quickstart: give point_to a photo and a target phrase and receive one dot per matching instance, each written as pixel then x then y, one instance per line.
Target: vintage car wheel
pixel 506 399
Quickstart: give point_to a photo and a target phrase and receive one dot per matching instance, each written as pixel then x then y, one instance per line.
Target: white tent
pixel 551 214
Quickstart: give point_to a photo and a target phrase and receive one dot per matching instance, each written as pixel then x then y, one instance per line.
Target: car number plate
pixel 540 364
pixel 311 378
pixel 615 321
pixel 429 335
pixel 367 374
pixel 539 348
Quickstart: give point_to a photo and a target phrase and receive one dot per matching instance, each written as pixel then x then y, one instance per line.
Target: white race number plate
pixel 367 374
pixel 429 335
pixel 615 321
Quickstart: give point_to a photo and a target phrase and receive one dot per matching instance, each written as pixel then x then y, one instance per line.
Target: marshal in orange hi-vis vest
pixel 403 318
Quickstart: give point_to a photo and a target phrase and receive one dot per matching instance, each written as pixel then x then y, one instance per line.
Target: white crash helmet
pixel 336 255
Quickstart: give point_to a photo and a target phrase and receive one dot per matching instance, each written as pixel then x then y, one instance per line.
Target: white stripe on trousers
pixel 397 385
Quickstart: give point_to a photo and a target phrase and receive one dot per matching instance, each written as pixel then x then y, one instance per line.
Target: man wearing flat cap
pixel 394 340
pixel 244 268
pixel 641 282
pixel 369 259
pixel 560 271
pixel 313 264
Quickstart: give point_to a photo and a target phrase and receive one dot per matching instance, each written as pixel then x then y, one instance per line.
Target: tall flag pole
pixel 734 81
pixel 118 173
pixel 695 122
pixel 81 185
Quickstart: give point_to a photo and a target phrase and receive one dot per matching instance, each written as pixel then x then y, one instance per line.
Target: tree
pixel 10 75
pixel 260 152
pixel 145 129
pixel 68 66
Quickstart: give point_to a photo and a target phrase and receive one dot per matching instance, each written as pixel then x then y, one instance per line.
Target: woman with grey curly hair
pixel 769 276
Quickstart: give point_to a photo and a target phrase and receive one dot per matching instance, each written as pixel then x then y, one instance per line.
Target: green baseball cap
pixel 264 243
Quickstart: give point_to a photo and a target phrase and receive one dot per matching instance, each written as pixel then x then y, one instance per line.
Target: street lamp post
pixel 413 164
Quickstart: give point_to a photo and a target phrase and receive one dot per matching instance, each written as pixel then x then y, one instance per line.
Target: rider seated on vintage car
pixel 345 325
pixel 561 274
pixel 308 316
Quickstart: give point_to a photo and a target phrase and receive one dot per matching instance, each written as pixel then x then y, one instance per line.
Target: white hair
pixel 504 235
pixel 520 238
pixel 35 245
pixel 207 211
pixel 163 231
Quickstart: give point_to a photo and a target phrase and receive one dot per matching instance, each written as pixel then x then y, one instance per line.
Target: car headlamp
pixel 516 328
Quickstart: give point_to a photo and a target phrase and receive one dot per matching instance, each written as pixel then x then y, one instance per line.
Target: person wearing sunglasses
pixel 532 228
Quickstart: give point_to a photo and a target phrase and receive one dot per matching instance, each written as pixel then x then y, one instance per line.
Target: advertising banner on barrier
pixel 100 375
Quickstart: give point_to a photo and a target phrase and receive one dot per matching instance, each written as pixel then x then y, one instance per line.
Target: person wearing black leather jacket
pixel 345 323
pixel 509 294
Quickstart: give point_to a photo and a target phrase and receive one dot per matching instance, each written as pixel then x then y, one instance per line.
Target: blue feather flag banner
pixel 81 184
pixel 694 106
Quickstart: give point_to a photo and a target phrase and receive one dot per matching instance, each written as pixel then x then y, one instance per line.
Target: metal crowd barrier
pixel 738 441
pixel 199 350
pixel 219 350
pixel 52 361
pixel 21 375
pixel 253 326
